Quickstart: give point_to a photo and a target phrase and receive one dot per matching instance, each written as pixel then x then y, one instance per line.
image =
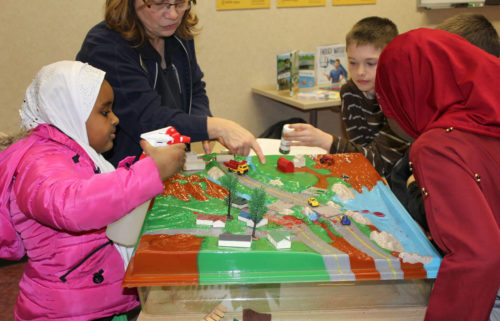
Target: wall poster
pixel 343 2
pixel 300 3
pixel 242 4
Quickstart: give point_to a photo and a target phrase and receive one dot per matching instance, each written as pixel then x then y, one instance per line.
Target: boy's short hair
pixel 374 31
pixel 476 29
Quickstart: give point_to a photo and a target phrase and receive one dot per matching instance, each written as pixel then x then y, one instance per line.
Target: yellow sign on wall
pixel 343 2
pixel 300 3
pixel 242 4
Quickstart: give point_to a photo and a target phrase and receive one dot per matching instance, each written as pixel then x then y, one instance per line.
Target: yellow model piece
pixel 313 202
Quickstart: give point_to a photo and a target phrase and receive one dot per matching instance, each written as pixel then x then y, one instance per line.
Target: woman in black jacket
pixel 146 48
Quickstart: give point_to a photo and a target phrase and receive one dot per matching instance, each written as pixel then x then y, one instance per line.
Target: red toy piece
pixel 165 136
pixel 326 159
pixel 240 167
pixel 177 138
pixel 285 165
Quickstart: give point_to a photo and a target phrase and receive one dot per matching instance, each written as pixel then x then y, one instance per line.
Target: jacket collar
pixel 148 52
pixel 53 133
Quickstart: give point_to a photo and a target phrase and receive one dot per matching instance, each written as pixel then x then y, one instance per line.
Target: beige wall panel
pixel 236 49
pixel 35 33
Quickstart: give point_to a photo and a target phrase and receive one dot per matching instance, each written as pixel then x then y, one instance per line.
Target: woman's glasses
pixel 159 5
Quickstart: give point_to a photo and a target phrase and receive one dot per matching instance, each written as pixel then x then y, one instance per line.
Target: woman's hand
pixel 308 135
pixel 206 147
pixel 169 159
pixel 235 138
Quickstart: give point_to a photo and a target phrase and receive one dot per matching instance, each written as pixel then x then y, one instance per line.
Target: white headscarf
pixel 63 94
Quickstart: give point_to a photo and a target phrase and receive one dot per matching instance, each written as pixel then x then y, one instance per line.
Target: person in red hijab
pixel 444 92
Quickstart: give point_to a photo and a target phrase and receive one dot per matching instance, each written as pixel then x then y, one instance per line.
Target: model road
pixel 336 262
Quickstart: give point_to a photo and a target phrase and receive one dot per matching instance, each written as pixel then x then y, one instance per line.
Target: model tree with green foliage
pixel 257 206
pixel 229 182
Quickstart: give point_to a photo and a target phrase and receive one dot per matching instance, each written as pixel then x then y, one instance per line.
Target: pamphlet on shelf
pixel 319 95
pixel 306 69
pixel 334 86
pixel 331 64
pixel 288 71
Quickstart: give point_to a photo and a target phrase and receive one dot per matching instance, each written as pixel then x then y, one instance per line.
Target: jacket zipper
pixel 63 278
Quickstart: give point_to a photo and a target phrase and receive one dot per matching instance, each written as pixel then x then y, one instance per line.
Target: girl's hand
pixel 308 135
pixel 169 159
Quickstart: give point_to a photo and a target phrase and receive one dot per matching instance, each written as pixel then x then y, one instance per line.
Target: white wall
pixel 236 49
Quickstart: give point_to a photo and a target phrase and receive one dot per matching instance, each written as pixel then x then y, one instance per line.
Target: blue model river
pixel 395 220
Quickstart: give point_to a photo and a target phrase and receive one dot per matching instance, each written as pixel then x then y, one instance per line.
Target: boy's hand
pixel 410 180
pixel 169 159
pixel 308 135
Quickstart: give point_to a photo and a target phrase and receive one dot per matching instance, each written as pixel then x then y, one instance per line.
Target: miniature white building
pixel 280 239
pixel 245 217
pixel 239 202
pixel 234 240
pixel 224 157
pixel 211 220
pixel 299 161
pixel 193 162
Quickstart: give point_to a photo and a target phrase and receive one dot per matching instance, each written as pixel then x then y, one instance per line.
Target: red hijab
pixel 434 79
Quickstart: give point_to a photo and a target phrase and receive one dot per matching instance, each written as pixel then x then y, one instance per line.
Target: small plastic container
pixel 126 230
pixel 284 147
pixel 291 301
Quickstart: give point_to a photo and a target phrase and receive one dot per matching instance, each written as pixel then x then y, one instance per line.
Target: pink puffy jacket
pixel 60 207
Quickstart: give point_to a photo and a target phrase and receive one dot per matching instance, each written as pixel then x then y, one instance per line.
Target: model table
pixel 396 292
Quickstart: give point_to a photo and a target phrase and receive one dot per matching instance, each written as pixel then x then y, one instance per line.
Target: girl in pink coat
pixel 58 194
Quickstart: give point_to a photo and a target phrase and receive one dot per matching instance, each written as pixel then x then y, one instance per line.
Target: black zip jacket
pixel 146 97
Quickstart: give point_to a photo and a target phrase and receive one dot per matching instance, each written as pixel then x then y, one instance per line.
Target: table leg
pixel 313 117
